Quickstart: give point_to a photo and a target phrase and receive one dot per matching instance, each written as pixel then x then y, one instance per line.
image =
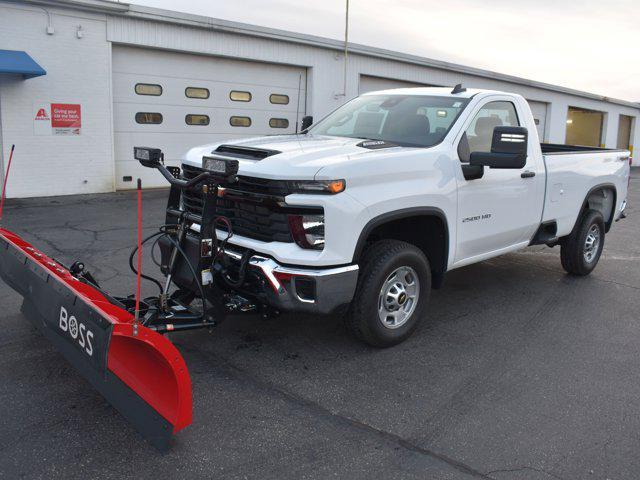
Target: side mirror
pixel 508 149
pixel 307 121
pixel 148 157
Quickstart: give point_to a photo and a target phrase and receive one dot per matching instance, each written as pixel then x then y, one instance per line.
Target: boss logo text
pixel 77 330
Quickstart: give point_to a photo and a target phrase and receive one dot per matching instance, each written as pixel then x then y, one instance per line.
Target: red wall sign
pixel 66 115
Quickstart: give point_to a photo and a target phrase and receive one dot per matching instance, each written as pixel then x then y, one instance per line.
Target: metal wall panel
pixel 539 110
pixel 371 84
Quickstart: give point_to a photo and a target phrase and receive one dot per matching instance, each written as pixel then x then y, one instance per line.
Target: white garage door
pixel 539 110
pixel 175 101
pixel 371 84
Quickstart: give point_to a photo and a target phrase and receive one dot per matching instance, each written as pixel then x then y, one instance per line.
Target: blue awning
pixel 19 63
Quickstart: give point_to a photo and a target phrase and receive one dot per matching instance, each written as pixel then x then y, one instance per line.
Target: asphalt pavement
pixel 519 372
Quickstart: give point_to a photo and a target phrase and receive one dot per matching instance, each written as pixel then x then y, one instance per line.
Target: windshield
pixel 408 120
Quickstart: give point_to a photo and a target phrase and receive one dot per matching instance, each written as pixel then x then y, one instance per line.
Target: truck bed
pixel 557 148
pixel 575 171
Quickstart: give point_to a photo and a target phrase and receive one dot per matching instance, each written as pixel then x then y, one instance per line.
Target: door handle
pixel 528 174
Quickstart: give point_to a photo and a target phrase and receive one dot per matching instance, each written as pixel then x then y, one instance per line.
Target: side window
pixel 477 138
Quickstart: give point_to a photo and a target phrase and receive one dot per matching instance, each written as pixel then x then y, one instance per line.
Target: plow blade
pixel 137 370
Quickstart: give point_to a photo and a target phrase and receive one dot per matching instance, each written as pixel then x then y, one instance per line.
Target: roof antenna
pixel 458 89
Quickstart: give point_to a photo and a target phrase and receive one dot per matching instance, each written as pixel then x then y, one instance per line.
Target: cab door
pixel 500 211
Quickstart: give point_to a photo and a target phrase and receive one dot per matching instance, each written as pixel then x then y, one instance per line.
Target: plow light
pixel 220 166
pixel 148 157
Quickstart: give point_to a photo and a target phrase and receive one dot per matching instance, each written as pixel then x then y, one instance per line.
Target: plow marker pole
pixel 139 274
pixel 4 185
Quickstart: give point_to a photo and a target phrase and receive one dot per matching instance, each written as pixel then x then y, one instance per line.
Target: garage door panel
pixel 173 93
pixel 220 76
pixel 140 61
pixel 174 121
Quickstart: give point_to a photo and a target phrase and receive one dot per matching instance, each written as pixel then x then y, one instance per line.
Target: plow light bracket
pixel 148 157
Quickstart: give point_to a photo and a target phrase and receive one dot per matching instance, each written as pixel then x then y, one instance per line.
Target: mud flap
pixel 137 371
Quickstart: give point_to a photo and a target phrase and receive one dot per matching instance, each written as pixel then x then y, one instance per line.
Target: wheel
pixel 392 293
pixel 581 250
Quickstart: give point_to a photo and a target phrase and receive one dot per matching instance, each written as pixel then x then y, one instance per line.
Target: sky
pixel 589 45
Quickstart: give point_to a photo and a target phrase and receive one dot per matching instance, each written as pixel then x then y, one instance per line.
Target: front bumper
pixel 297 288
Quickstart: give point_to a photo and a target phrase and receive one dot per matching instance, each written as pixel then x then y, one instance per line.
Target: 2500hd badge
pixel 77 330
pixel 484 216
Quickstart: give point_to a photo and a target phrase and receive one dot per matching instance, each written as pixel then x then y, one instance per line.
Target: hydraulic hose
pixel 133 268
pixel 191 267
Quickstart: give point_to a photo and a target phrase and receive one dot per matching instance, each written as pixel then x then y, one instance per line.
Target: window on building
pixel 152 118
pixel 197 92
pixel 196 119
pixel 238 96
pixel 240 121
pixel 625 128
pixel 148 89
pixel 584 127
pixel 278 123
pixel 279 99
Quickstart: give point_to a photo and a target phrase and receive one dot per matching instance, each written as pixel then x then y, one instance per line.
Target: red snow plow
pixel 117 343
pixel 136 369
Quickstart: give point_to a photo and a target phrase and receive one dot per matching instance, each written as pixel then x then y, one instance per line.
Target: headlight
pixel 308 230
pixel 317 186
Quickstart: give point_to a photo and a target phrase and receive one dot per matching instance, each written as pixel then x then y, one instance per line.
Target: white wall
pixel 78 71
pixel 326 70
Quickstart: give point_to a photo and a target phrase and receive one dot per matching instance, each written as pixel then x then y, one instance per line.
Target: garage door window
pixel 151 118
pixel 625 127
pixel 584 127
pixel 148 89
pixel 237 96
pixel 278 123
pixel 193 119
pixel 197 92
pixel 279 99
pixel 240 121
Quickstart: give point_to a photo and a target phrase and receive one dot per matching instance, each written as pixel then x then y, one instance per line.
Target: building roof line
pixel 200 21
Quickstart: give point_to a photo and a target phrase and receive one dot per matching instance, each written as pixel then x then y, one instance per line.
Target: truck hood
pixel 300 157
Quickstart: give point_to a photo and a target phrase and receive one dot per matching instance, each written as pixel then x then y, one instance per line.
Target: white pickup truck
pixel 369 207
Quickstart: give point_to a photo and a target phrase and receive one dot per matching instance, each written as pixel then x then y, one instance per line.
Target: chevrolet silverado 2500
pixel 363 212
pixel 370 207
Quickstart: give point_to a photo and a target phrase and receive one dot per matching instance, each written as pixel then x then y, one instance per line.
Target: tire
pixel 411 271
pixel 578 254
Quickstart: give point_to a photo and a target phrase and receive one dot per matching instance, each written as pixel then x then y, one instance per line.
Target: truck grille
pixel 256 216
